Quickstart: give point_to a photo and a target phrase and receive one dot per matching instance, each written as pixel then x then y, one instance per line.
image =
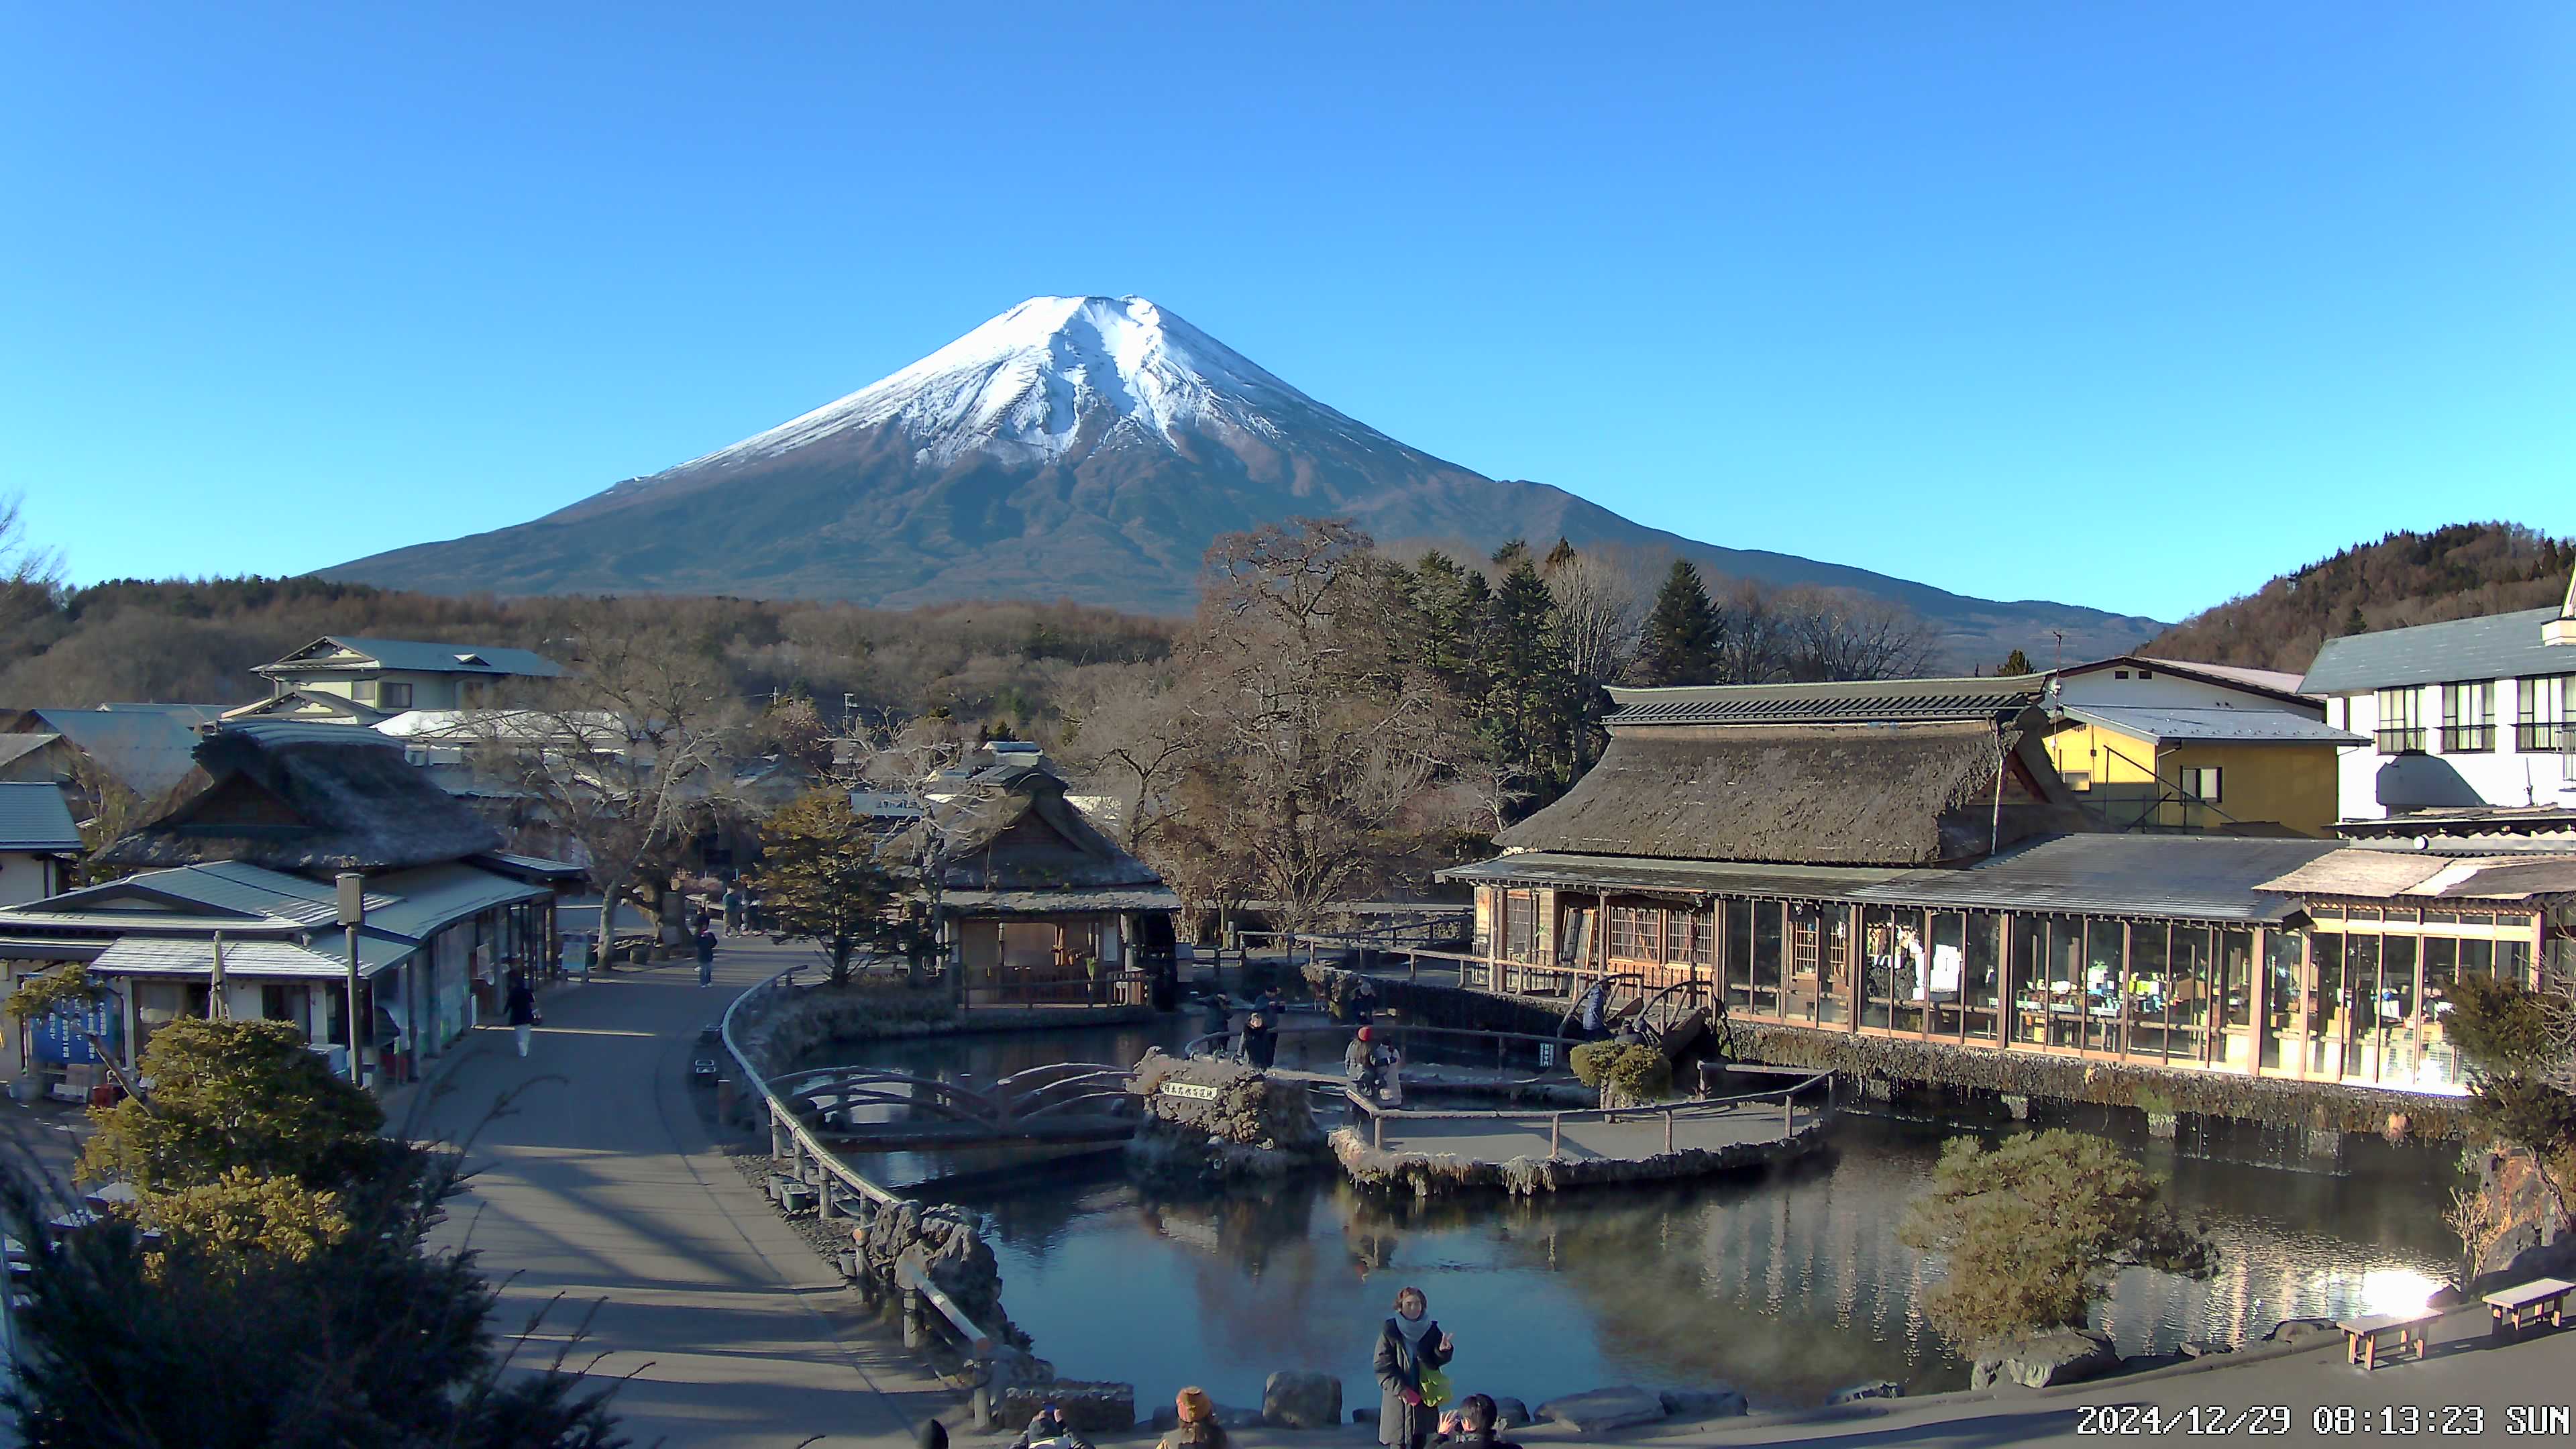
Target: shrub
pixel 1627 1071
pixel 2035 1230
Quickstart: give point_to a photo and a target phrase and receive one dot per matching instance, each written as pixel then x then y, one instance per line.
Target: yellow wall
pixel 2281 784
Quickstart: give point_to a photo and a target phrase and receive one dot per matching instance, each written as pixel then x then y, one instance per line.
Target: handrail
pixel 1672 1108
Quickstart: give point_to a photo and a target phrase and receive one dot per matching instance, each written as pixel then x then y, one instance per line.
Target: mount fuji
pixel 1088 449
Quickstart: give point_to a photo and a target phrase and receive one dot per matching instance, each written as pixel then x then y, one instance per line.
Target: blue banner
pixel 62 1039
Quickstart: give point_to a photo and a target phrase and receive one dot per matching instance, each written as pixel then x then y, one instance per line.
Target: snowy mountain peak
pixel 1059 375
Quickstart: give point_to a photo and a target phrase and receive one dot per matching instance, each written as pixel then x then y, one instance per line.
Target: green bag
pixel 1435 1388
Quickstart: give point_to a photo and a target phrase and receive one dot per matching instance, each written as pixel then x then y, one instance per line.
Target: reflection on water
pixel 1788 1285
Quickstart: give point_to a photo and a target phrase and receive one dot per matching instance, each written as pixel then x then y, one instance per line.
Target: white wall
pixel 2369 784
pixel 23 878
pixel 2163 691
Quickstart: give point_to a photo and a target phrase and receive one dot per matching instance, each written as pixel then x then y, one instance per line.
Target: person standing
pixel 733 906
pixel 706 955
pixel 1363 1000
pixel 1198 1428
pixel 1260 1041
pixel 521 1004
pixel 1411 1348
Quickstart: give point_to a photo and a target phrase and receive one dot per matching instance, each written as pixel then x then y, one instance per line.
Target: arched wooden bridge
pixel 864 1108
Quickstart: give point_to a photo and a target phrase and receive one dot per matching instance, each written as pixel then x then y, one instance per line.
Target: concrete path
pixel 602 1186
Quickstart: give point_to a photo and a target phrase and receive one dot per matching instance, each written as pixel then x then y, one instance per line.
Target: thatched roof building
pixel 305 798
pixel 1015 834
pixel 1894 773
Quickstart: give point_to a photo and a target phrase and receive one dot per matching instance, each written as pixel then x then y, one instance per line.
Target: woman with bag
pixel 1411 1352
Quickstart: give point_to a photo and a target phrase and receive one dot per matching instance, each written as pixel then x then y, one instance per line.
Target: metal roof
pixel 413 656
pixel 1880 701
pixel 1568 870
pixel 195 956
pixel 34 817
pixel 14 747
pixel 421 901
pixel 2163 877
pixel 528 867
pixel 2499 646
pixel 2232 726
pixel 148 747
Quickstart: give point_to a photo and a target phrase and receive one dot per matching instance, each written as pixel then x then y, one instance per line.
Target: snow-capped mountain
pixel 1082 448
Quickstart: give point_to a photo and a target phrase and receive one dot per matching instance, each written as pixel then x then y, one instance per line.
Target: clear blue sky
pixel 2125 305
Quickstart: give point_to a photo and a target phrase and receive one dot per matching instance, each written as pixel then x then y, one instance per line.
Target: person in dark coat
pixel 1476 1419
pixel 1260 1040
pixel 733 908
pixel 1596 1004
pixel 1363 1001
pixel 1049 1426
pixel 1410 1345
pixel 706 954
pixel 521 1004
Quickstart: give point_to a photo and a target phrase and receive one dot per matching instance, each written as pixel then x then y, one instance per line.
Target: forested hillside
pixel 2458 572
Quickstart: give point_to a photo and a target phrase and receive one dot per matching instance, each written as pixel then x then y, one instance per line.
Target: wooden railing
pixel 1555 1119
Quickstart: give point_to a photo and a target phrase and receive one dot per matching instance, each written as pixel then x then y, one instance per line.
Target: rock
pixel 1363 1416
pixel 2203 1348
pixel 1092 1407
pixel 1302 1399
pixel 1509 1414
pixel 1717 1403
pixel 1880 1389
pixel 2049 1358
pixel 1602 1410
pixel 2297 1330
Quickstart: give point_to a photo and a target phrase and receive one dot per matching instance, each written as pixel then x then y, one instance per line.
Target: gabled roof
pixel 1018 833
pixel 2273 682
pixel 308 706
pixel 1880 701
pixel 308 797
pixel 15 747
pixel 2499 646
pixel 2170 877
pixel 34 817
pixel 412 656
pixel 147 748
pixel 2229 726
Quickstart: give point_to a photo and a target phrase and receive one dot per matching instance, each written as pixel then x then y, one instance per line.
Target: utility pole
pixel 352 915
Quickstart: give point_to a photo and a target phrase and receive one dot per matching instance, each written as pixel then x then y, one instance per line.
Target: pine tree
pixel 1534 705
pixel 2015 663
pixel 1680 643
pixel 2354 623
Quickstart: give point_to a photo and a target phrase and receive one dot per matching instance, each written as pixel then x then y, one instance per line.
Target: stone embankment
pixel 1429 1174
pixel 1210 1120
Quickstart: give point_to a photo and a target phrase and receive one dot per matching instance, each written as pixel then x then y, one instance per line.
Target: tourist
pixel 1260 1040
pixel 1359 1063
pixel 1411 1350
pixel 1275 1002
pixel 1198 1427
pixel 1363 1001
pixel 521 1004
pixel 1476 1424
pixel 1049 1427
pixel 706 955
pixel 1596 1003
pixel 1390 1075
pixel 1220 1020
pixel 733 907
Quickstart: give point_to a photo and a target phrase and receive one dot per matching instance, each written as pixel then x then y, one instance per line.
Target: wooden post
pixel 1788 1115
pixel 1555 1130
pixel 912 1324
pixel 1377 1130
pixel 1668 1131
pixel 823 1206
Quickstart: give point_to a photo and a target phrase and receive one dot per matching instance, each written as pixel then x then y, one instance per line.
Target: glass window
pixel 2393 1030
pixel 1520 918
pixel 2543 711
pixel 2513 961
pixel 1833 1002
pixel 2105 963
pixel 2325 1025
pixel 2187 1013
pixel 2032 971
pixel 2150 988
pixel 393 696
pixel 2468 717
pixel 2401 723
pixel 2281 953
pixel 2358 1000
pixel 2198 784
pixel 2439 1065
pixel 1738 923
pixel 1984 978
pixel 1945 975
pixel 2477 958
pixel 2234 993
pixel 1766 958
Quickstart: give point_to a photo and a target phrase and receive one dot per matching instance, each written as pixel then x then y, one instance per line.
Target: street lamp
pixel 352 915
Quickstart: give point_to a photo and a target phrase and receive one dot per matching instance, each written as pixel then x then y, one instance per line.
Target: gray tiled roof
pixel 2237 726
pixel 2170 877
pixel 34 817
pixel 148 747
pixel 195 956
pixel 2499 646
pixel 1882 701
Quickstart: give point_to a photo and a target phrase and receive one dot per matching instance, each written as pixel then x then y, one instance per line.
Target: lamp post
pixel 352 915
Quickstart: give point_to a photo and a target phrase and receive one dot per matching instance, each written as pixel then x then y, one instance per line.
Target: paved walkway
pixel 602 1185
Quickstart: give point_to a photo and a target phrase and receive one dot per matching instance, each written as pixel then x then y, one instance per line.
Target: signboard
pixel 1189 1089
pixel 1546 1054
pixel 62 1038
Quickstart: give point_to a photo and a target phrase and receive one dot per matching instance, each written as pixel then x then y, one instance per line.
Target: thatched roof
pixel 316 797
pixel 1888 794
pixel 1018 833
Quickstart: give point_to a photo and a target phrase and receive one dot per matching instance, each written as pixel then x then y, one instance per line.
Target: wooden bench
pixel 2363 1337
pixel 2516 1309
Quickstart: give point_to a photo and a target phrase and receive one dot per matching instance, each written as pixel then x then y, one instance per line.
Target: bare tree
pixel 1753 638
pixel 24 565
pixel 1599 611
pixel 1123 737
pixel 1836 634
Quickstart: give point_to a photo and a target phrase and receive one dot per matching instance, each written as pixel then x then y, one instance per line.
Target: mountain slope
pixel 1081 448
pixel 2460 571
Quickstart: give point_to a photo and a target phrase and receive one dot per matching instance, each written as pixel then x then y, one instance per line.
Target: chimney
pixel 2562 630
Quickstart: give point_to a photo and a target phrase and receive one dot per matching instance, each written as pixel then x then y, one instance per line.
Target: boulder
pixel 1094 1407
pixel 1511 1414
pixel 1878 1389
pixel 2049 1358
pixel 2203 1348
pixel 2296 1330
pixel 1602 1410
pixel 1363 1416
pixel 1302 1399
pixel 1717 1403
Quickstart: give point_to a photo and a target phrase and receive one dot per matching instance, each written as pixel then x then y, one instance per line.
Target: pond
pixel 1787 1284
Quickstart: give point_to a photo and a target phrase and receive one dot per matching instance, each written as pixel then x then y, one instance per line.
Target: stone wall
pixel 1228 1122
pixel 1422 1003
pixel 944 1244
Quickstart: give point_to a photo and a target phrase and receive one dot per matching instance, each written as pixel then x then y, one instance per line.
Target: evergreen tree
pixel 1534 702
pixel 1452 608
pixel 1680 643
pixel 2015 663
pixel 2354 623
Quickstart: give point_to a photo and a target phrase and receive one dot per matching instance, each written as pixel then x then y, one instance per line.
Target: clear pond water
pixel 1787 1284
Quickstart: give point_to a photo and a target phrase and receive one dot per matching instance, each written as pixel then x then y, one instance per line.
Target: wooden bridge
pixel 865 1109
